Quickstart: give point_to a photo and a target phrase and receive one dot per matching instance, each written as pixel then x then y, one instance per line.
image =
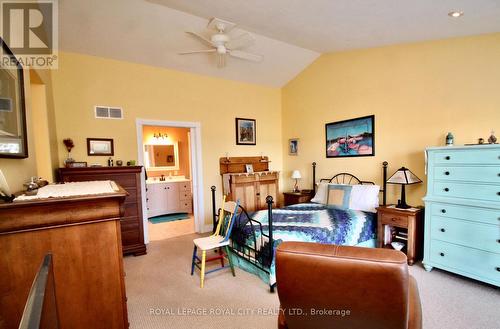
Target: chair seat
pixel 210 242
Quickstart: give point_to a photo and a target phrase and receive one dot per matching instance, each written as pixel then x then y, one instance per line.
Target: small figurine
pixel 492 139
pixel 480 141
pixel 449 139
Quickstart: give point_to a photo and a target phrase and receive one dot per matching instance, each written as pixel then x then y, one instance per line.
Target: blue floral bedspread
pixel 312 222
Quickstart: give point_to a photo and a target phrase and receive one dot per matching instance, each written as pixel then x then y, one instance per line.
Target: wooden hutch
pixel 250 188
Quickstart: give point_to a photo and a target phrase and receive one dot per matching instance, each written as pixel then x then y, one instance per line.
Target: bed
pixel 255 236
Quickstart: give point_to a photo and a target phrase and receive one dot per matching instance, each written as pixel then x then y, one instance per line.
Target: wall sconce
pixel 160 135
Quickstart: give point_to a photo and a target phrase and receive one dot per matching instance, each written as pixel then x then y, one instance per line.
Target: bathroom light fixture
pixel 160 135
pixel 456 14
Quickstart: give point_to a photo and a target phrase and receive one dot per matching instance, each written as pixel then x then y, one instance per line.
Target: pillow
pixel 339 195
pixel 364 198
pixel 320 196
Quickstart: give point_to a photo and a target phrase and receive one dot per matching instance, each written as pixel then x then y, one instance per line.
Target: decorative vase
pixel 69 160
pixel 492 139
pixel 449 139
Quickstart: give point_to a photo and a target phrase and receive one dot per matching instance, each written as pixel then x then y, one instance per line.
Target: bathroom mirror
pixel 161 157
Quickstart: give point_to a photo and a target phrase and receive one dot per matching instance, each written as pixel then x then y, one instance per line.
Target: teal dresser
pixel 462 211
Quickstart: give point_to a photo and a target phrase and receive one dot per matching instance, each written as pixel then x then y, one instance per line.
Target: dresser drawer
pixel 471 174
pixel 183 187
pixel 186 206
pixel 472 156
pixel 472 261
pixel 467 191
pixel 465 212
pixel 185 196
pixel 394 219
pixel 475 235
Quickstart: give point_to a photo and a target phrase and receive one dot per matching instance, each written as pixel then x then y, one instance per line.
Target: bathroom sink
pixel 167 179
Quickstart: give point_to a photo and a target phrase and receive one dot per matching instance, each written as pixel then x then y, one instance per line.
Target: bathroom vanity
pixel 173 195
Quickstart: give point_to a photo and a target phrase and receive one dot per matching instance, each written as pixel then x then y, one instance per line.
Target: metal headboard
pixel 350 179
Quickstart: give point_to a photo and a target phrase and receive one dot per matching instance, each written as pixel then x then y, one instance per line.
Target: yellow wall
pixel 146 92
pixel 179 135
pixel 418 92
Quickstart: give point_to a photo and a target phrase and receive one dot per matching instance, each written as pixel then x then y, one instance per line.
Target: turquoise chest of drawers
pixel 462 211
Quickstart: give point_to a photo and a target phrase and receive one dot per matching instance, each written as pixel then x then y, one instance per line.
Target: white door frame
pixel 196 169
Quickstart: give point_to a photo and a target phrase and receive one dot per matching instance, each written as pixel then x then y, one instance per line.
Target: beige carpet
pixel 162 294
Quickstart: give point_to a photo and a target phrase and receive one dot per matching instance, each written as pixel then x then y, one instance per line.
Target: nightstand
pixel 405 226
pixel 298 197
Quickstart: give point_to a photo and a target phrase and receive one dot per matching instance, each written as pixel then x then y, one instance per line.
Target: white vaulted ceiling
pixel 144 32
pixel 289 33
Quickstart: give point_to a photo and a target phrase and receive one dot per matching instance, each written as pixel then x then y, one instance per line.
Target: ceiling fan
pixel 223 44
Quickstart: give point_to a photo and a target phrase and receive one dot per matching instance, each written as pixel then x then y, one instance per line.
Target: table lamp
pixel 296 175
pixel 403 176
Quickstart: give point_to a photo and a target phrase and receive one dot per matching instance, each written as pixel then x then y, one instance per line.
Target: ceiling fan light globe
pixel 221 50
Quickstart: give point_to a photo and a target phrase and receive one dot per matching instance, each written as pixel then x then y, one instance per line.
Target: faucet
pixel 162 178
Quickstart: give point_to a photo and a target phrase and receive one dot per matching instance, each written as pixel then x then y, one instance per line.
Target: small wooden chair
pixel 218 240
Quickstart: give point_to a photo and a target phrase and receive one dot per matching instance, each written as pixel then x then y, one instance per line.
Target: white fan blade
pixel 198 51
pixel 246 55
pixel 201 38
pixel 241 41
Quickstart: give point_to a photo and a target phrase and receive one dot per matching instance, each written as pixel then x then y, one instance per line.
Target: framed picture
pixel 249 168
pixel 245 131
pixel 293 146
pixel 351 138
pixel 100 146
pixel 13 137
pixel 77 164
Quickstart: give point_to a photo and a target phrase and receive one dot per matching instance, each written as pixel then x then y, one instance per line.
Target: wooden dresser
pixel 462 211
pixel 83 236
pixel 250 188
pixel 130 179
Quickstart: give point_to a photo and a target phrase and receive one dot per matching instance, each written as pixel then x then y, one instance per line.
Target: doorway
pixel 172 194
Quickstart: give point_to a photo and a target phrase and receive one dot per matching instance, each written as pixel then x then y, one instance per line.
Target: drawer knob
pixel 498 240
pixel 447 173
pixel 498 193
pixel 443 211
pixel 447 157
pixel 442 230
pixel 498 269
pixel 446 189
pixel 394 219
pixel 441 254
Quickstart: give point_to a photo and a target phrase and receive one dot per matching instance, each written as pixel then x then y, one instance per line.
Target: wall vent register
pixel 107 112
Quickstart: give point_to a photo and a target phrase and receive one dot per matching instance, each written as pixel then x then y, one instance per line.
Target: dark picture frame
pixel 100 147
pixel 13 131
pixel 293 146
pixel 246 131
pixel 350 138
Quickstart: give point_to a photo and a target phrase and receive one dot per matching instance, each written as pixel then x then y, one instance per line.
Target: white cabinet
pixel 168 198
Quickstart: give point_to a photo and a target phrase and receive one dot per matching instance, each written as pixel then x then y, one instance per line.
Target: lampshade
pixel 403 176
pixel 296 174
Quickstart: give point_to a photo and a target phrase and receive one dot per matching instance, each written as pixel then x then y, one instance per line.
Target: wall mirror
pixel 13 137
pixel 161 157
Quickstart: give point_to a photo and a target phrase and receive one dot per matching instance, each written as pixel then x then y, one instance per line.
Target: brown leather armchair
pixel 340 287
